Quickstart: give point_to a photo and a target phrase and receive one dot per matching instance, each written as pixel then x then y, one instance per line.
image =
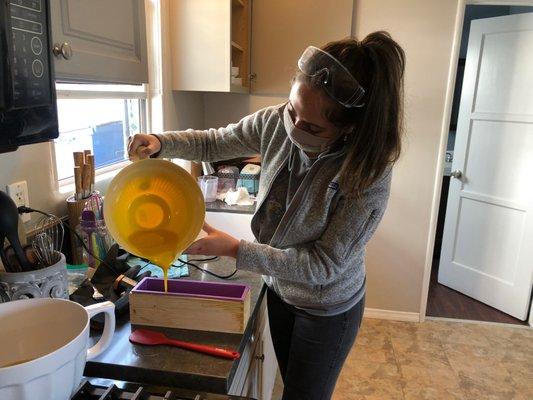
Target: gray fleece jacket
pixel 314 257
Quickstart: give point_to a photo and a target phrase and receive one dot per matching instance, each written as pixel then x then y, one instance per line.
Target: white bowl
pixel 44 346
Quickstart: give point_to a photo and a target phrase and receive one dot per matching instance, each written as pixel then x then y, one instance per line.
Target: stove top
pixel 103 389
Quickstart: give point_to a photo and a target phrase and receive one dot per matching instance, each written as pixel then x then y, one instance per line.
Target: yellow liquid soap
pixel 160 247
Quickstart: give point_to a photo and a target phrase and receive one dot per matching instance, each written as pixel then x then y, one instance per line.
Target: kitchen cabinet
pixel 281 30
pixel 99 41
pixel 207 38
pixel 256 373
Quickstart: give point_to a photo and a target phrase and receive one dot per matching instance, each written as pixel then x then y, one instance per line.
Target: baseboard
pixel 377 313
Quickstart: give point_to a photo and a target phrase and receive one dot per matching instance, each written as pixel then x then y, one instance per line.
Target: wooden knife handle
pixel 78 182
pixel 79 158
pixel 86 180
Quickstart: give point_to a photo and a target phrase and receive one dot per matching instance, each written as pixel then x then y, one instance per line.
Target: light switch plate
pixel 18 191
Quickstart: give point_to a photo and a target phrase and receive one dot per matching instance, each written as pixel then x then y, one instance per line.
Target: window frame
pixel 102 91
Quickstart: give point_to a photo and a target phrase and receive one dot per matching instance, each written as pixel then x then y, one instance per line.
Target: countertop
pixel 174 367
pixel 220 206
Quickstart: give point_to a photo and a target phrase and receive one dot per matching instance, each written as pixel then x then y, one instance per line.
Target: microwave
pixel 28 110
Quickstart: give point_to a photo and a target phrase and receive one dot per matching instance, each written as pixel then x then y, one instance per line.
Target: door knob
pixel 457 174
pixel 63 50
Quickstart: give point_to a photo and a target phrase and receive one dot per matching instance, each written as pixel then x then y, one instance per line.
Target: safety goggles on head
pixel 337 81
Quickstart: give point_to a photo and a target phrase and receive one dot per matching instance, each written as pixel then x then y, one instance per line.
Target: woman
pixel 326 169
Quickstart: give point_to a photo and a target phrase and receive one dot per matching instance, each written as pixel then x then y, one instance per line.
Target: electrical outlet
pixel 18 191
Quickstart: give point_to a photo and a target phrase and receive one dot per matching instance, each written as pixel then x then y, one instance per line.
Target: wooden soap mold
pixel 197 308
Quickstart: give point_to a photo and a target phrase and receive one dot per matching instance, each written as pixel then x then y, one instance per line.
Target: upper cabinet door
pixel 281 30
pixel 210 41
pixel 100 40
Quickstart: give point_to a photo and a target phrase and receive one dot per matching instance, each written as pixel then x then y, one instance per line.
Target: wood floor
pixel 448 303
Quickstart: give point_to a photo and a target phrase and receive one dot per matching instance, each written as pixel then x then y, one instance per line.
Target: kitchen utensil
pixel 52 226
pixel 209 186
pixel 154 209
pixel 44 346
pixel 9 219
pixel 86 180
pixel 79 158
pixel 44 249
pixel 12 258
pixel 78 183
pixel 90 161
pixel 152 338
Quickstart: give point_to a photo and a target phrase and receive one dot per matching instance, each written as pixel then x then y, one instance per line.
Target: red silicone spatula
pixel 152 338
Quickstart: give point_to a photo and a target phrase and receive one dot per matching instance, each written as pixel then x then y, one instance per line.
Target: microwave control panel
pixel 30 53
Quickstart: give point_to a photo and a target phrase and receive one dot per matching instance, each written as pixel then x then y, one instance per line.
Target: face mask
pixel 302 139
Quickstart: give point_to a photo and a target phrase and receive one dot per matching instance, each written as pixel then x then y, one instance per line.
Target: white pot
pixel 48 338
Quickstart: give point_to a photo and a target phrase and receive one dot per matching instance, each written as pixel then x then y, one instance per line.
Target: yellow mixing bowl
pixel 154 209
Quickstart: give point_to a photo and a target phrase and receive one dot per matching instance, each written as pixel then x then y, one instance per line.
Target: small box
pixel 188 304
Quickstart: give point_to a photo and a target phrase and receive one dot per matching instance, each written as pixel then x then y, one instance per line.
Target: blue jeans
pixel 311 349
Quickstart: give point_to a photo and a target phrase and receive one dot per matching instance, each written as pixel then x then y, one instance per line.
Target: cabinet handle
pixel 253 76
pixel 261 357
pixel 64 49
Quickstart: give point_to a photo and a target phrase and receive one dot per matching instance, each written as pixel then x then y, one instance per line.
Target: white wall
pixel 397 254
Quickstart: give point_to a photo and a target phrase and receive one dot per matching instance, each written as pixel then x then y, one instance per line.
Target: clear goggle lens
pixel 338 82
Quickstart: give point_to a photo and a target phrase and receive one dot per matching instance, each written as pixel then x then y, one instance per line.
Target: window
pixel 100 118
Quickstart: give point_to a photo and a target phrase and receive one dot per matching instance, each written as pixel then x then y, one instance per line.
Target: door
pixel 487 248
pixel 102 41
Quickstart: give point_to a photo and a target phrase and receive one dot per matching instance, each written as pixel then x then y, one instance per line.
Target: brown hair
pixel 375 130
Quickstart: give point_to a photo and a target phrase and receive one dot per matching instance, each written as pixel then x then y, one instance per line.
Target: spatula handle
pixel 202 348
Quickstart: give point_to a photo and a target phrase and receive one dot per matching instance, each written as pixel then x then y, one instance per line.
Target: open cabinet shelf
pixel 208 38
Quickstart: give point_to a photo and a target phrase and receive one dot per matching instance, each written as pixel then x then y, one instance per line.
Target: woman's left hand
pixel 216 243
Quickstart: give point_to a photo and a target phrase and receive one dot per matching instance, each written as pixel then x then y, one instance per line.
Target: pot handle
pixel 109 327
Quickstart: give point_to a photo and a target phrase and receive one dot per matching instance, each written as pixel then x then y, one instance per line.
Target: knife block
pixel 188 304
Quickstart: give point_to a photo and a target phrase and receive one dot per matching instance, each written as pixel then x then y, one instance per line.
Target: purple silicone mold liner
pixel 189 288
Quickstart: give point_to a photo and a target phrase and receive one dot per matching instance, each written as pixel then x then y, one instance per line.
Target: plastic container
pixel 96 238
pixel 76 274
pixel 209 186
pixel 249 178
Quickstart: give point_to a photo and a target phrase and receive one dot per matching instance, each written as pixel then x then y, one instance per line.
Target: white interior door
pixel 487 250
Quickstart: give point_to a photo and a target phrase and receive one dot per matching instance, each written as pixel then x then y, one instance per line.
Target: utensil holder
pixel 41 283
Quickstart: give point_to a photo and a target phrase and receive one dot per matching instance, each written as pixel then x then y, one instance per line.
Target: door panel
pixel 487 252
pixel 499 229
pixel 499 159
pixel 108 40
pixel 505 69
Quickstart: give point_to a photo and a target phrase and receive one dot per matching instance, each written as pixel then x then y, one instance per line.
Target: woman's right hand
pixel 143 146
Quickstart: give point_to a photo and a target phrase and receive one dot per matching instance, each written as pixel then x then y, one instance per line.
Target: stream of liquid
pixel 159 246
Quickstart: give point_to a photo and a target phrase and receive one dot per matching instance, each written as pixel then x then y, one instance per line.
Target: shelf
pixel 236 46
pixel 237 3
